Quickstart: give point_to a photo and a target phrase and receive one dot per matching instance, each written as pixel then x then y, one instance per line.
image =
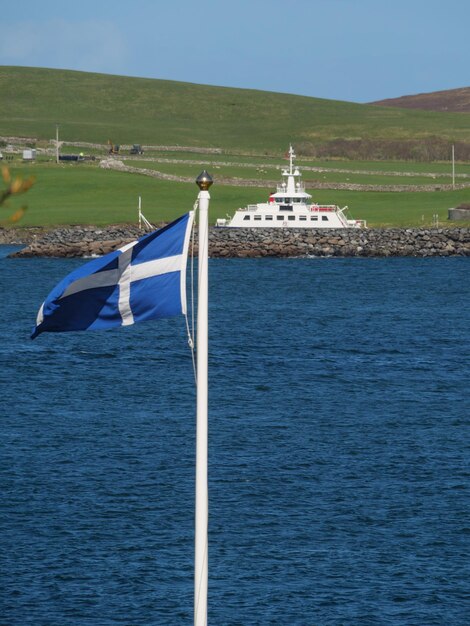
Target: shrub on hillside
pixel 425 150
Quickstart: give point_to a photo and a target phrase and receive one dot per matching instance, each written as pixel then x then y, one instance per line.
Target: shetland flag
pixel 144 280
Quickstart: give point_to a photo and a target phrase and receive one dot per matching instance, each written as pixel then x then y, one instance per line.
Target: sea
pixel 338 451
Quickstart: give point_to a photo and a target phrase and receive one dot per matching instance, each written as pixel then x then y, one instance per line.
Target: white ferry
pixel 290 207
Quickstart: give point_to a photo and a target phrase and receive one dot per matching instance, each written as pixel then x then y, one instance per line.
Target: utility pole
pixel 57 143
pixel 453 167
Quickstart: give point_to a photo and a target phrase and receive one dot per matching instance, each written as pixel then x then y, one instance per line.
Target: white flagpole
pixel 204 181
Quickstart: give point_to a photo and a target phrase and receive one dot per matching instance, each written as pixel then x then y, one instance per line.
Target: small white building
pixel 29 155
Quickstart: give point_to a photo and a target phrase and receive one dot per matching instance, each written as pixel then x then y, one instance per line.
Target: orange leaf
pixel 6 174
pixel 17 215
pixel 15 186
pixel 28 183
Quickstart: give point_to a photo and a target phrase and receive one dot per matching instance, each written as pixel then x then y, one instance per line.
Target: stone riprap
pixel 227 242
pixel 73 241
pixel 249 243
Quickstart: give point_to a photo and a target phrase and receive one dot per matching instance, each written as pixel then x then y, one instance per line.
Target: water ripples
pixel 338 452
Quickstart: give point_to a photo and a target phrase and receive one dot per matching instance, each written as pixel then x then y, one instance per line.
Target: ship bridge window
pixel 286 207
pixel 324 218
pixel 291 218
pixel 246 217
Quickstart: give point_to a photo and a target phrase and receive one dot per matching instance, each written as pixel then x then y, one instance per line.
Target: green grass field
pixel 87 194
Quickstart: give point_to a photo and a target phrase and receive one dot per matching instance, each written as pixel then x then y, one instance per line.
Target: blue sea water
pixel 339 451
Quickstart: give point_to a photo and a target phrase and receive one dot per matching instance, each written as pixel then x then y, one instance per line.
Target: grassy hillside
pixel 252 128
pixel 97 107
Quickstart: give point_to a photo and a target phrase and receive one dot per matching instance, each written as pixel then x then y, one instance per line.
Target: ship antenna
pixel 291 159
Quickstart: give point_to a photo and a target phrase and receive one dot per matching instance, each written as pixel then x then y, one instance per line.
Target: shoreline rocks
pixel 74 241
pixel 79 241
pixel 340 242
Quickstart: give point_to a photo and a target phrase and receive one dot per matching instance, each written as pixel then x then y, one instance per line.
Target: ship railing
pixel 300 188
pixel 359 223
pixel 249 207
pixel 342 216
pixel 324 207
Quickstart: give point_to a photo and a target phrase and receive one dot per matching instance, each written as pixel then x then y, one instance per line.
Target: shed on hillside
pixel 29 155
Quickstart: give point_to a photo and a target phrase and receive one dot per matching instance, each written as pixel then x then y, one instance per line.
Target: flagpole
pixel 204 181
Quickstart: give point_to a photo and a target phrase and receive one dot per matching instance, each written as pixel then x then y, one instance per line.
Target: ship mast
pixel 290 187
pixel 291 160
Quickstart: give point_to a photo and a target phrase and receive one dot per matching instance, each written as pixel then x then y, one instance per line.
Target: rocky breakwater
pixel 245 242
pixel 79 241
pixel 261 242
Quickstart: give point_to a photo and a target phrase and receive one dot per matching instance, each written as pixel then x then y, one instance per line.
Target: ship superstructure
pixel 290 207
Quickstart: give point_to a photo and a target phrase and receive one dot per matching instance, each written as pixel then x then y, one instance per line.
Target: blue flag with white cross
pixel 143 280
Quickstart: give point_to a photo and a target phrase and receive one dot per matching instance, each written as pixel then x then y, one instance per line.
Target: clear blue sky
pixel 356 50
